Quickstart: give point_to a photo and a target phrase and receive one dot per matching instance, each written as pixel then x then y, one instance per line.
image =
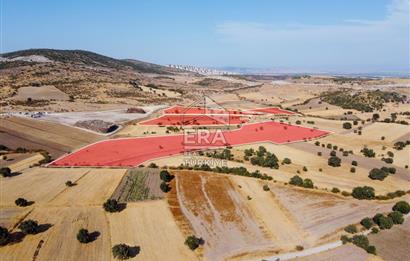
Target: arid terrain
pixel 317 155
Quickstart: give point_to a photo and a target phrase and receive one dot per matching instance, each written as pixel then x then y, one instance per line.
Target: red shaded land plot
pixel 132 152
pixel 274 110
pixel 183 120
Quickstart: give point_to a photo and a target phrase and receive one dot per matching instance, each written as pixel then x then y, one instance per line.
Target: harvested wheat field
pixel 95 187
pixel 58 239
pixel 217 212
pixel 393 244
pixel 40 185
pixel 149 226
pixel 55 138
pixel 21 161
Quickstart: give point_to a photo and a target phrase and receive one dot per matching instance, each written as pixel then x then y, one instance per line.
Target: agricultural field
pixel 179 165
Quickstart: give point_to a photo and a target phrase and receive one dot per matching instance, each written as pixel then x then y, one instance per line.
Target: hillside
pixel 81 57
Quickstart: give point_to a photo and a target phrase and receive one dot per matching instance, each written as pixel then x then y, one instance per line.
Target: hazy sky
pixel 335 35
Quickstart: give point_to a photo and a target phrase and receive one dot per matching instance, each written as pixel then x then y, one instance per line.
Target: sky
pixel 346 36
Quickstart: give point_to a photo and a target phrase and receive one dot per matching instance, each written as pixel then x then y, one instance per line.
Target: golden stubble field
pixel 239 220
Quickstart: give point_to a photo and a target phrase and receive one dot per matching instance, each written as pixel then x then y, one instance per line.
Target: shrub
pixel 296 180
pixel 83 236
pixel 299 248
pixel 266 187
pixel 402 206
pixel 307 183
pixel 375 230
pixel 69 183
pixel 286 161
pixel 29 227
pixel 166 176
pixel 360 241
pixel 371 250
pixel 351 229
pixel 111 205
pixel 345 239
pixel 5 172
pixel 347 125
pixel 305 169
pixel 319 153
pixel 193 242
pixel 364 192
pixel 165 187
pixel 334 161
pixel 21 202
pixel 333 153
pixel 368 152
pixel 121 251
pixel 345 193
pixel 153 165
pixel 4 236
pixel 378 174
pixel 354 163
pixel 396 217
pixel 317 143
pixel 388 160
pixel 382 221
pixel 335 190
pixel 367 223
pixel 352 169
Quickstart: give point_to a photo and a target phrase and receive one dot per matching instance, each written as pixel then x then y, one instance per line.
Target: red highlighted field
pixel 131 152
pixel 182 120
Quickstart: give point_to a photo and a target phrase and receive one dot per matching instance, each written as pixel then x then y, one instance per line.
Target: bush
pixel 121 251
pixel 388 160
pixel 368 152
pixel 305 169
pixel 111 205
pixel 375 230
pixel 296 180
pixel 4 236
pixel 193 242
pixel 5 172
pixel 354 163
pixel 351 229
pixel 307 183
pixel 367 223
pixel 371 250
pixel 396 217
pixel 360 241
pixel 345 239
pixel 402 206
pixel 334 161
pixel 299 248
pixel 335 190
pixel 364 192
pixel 347 125
pixel 153 165
pixel 83 236
pixel 352 169
pixel 69 183
pixel 286 161
pixel 29 227
pixel 166 176
pixel 21 202
pixel 382 221
pixel 378 174
pixel 266 187
pixel 333 153
pixel 165 187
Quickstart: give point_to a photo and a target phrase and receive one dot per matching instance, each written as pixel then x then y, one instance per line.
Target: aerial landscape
pixel 125 138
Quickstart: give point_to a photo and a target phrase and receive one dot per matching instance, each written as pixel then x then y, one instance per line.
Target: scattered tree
pixel 21 202
pixel 396 217
pixel 29 227
pixel 402 206
pixel 334 161
pixel 4 236
pixel 193 242
pixel 364 192
pixel 367 223
pixel 111 205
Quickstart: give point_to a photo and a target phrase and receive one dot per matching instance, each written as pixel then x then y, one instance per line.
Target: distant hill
pixel 87 58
